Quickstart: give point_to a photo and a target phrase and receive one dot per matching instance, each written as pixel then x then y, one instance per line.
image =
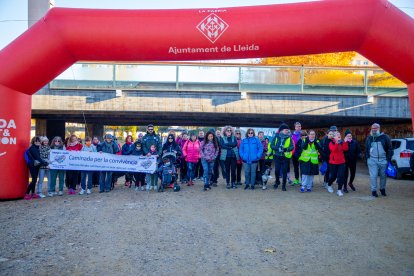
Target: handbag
pixel 323 168
pixel 391 171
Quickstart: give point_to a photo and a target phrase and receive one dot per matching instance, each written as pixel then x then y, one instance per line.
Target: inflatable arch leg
pixel 15 114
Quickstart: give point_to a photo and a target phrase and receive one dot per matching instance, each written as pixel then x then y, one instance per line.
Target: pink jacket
pixel 191 151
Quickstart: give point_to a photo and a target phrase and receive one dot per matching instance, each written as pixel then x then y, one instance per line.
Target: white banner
pixel 96 161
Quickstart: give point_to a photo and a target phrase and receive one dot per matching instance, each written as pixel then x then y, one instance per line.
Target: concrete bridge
pixel 240 96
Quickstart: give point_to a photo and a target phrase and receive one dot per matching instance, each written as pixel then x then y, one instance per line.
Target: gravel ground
pixel 217 232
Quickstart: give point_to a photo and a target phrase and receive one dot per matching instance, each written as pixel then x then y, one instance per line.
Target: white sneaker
pixel 82 191
pixel 330 189
pixel 55 193
pixel 50 194
pixel 88 191
pixel 339 193
pixel 264 187
pixel 60 193
pixel 41 195
pixel 142 188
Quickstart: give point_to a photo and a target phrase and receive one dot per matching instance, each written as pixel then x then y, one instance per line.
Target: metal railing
pixel 231 78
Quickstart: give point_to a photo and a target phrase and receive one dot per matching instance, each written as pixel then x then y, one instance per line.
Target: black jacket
pixel 352 154
pixel 34 154
pixel 325 151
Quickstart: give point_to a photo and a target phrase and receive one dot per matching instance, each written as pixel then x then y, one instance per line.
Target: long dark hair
pixel 215 143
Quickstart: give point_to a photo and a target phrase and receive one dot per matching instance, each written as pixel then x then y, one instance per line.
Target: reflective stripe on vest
pixel 269 152
pixel 310 153
pixel 286 145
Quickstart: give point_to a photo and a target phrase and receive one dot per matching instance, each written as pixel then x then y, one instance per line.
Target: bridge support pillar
pixel 55 128
pixel 94 130
pixel 40 127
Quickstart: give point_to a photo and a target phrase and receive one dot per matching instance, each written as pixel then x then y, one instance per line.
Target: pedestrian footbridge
pixel 218 94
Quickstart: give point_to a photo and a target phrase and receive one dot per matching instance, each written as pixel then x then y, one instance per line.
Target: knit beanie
pixel 282 127
pixel 347 132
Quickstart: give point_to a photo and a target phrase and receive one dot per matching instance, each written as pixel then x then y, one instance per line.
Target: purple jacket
pixel 208 152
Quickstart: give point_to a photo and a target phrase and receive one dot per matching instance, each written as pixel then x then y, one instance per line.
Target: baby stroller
pixel 168 172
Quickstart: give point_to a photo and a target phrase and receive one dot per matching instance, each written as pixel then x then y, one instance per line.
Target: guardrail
pixel 232 78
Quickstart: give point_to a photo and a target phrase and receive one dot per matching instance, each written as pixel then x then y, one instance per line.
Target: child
pixel 88 147
pixel 151 178
pixel 139 177
pixel 44 169
pixel 168 172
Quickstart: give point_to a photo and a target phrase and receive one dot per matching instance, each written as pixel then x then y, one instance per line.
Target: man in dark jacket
pixel 282 147
pixel 151 138
pixel 378 151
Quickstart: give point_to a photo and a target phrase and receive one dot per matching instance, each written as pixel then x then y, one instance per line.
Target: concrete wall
pixel 222 102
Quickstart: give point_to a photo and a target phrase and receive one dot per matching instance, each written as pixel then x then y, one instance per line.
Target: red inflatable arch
pixel 374 28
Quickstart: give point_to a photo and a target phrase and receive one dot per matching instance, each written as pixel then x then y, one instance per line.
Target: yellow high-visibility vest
pixel 310 153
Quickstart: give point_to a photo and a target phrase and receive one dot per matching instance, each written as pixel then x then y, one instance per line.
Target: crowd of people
pixel 201 156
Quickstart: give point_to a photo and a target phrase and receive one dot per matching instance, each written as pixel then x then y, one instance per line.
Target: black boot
pixel 246 187
pixel 284 187
pixel 352 186
pixel 345 189
pixel 374 194
pixel 228 186
pixel 276 185
pixel 383 192
pixel 233 185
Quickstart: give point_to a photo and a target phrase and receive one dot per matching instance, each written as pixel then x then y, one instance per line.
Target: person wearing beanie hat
pixel 44 150
pixel 351 157
pixel 333 128
pixel 378 151
pixel 105 177
pixel 282 146
pixel 139 177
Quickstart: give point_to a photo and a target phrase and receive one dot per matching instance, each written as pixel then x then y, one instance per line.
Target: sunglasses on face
pixel 250 133
pixel 229 130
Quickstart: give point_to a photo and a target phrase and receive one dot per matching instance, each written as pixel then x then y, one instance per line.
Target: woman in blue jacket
pixel 251 150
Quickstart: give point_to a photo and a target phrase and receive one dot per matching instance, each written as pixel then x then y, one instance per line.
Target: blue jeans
pixel 42 174
pixel 250 173
pixel 208 171
pixel 105 181
pixel 53 175
pixel 191 170
pixel 85 174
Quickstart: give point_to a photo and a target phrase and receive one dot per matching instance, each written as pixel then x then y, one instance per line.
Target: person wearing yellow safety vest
pixel 282 147
pixel 269 154
pixel 309 163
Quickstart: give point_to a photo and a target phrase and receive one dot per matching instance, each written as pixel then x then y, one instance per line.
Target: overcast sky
pixel 13 13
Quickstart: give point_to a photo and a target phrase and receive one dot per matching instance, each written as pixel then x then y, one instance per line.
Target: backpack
pixel 26 157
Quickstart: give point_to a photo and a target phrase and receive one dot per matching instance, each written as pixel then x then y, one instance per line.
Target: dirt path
pixel 218 232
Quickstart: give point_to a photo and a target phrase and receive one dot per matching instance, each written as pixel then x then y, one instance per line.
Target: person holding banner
pixel 34 165
pixel 149 139
pixel 56 144
pixel 88 147
pixel 105 177
pixel 127 149
pixel 72 176
pixel 139 177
